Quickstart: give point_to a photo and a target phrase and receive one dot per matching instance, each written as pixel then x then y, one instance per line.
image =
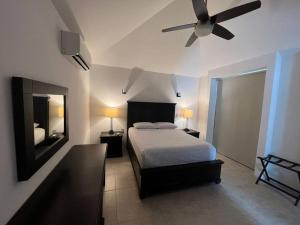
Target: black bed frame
pixel 152 180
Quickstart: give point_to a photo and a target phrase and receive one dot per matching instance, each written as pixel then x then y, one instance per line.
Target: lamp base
pixel 111 132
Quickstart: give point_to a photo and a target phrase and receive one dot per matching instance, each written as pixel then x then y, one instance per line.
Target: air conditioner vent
pixel 72 45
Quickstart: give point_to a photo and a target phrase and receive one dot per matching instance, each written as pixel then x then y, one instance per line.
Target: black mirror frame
pixel 22 91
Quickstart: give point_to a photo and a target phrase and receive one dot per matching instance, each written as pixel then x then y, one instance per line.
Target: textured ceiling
pixel 127 33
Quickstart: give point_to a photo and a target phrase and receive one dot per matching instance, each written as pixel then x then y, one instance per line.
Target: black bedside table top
pixel 115 134
pixel 190 131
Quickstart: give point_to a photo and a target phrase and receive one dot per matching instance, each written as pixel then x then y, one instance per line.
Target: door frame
pixel 217 86
pixel 271 64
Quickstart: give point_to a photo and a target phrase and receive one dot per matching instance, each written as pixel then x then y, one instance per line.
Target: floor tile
pixel 110 207
pixel 127 181
pixel 236 201
pixel 110 182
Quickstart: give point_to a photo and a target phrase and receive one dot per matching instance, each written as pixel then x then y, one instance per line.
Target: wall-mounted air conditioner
pixel 72 45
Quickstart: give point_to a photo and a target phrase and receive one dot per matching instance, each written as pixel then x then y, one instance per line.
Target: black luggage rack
pixel 283 163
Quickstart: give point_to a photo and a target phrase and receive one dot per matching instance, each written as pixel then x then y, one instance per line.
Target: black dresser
pixel 72 193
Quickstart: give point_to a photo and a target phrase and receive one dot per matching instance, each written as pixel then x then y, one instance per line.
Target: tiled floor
pixel 236 201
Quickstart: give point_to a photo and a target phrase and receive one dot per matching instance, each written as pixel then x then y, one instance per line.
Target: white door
pixel 238 116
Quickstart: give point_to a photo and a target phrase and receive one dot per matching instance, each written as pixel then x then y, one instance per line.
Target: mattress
pixel 39 135
pixel 166 147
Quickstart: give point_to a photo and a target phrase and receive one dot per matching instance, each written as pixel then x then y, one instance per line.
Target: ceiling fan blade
pixel 191 40
pixel 200 9
pixel 222 32
pixel 181 27
pixel 235 12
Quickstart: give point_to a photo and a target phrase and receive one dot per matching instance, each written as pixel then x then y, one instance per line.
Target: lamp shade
pixel 111 112
pixel 60 112
pixel 187 113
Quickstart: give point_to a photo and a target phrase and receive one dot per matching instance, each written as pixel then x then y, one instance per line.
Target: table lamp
pixel 60 112
pixel 187 113
pixel 111 113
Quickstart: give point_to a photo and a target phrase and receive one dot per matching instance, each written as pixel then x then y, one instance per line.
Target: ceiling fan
pixel 207 25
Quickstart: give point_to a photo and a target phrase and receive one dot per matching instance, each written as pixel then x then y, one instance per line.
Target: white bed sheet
pixel 161 147
pixel 39 135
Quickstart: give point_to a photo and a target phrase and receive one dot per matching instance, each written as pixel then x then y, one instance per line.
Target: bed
pixel 39 135
pixel 167 159
pixel 168 147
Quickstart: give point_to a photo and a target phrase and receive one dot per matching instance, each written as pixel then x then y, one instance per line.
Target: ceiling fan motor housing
pixel 203 29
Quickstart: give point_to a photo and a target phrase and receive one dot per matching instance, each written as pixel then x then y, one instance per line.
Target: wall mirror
pixel 40 121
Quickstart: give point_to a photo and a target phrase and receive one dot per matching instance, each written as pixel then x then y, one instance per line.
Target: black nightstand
pixel 114 143
pixel 192 132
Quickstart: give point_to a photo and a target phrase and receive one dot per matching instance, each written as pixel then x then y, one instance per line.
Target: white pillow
pixel 165 125
pixel 144 125
pixel 35 125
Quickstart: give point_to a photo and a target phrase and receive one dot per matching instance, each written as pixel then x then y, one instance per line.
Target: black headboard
pixel 41 112
pixel 150 112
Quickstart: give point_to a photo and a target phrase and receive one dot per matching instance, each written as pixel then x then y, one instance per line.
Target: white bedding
pixel 39 135
pixel 161 147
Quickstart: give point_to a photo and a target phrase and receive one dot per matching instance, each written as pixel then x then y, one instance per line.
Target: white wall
pixel 30 48
pixel 279 131
pixel 106 84
pixel 286 141
pixel 56 110
pixel 204 91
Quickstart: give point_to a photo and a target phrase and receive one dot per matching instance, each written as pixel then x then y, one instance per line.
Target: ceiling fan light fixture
pixel 203 29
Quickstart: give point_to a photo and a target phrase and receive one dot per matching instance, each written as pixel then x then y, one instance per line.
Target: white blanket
pixel 160 147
